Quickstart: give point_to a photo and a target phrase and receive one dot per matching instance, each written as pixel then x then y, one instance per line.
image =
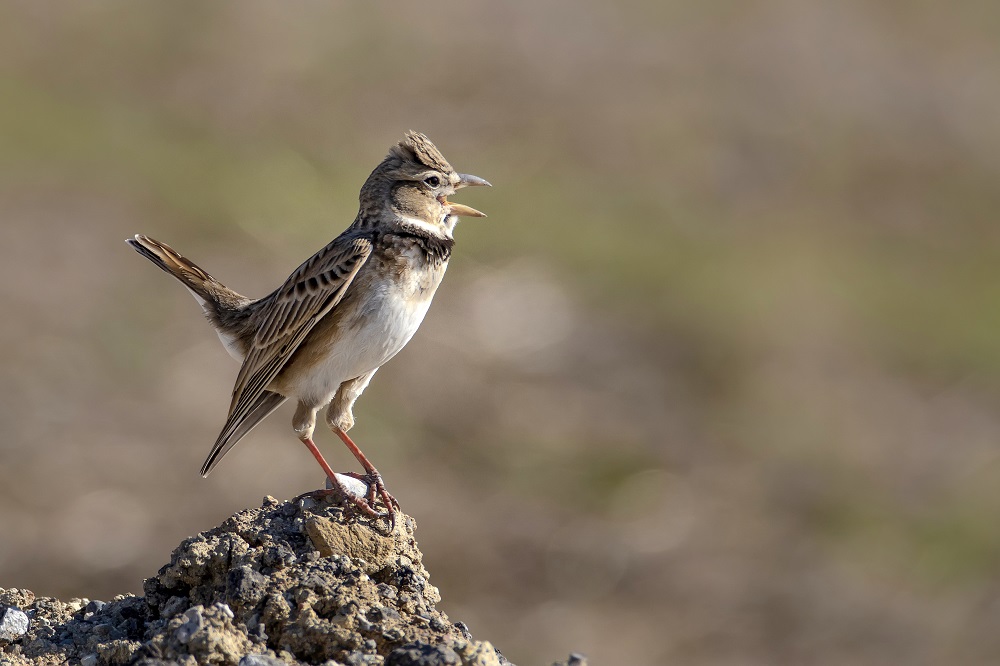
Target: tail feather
pixel 233 432
pixel 203 286
pixel 228 312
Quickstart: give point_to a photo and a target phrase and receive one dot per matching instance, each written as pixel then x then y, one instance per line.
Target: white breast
pixel 391 314
pixel 382 334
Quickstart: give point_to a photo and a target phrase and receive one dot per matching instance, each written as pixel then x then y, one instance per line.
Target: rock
pixel 474 653
pixel 194 623
pixel 351 539
pixel 207 634
pixel 260 660
pixel 94 606
pixel 13 624
pixel 421 654
pixel 16 598
pixel 282 585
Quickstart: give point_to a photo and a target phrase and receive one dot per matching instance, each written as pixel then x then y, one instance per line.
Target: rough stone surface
pixel 13 623
pixel 285 584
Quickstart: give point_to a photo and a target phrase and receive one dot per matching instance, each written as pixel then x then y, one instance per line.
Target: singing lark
pixel 321 336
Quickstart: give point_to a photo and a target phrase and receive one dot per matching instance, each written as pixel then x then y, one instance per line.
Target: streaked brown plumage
pixel 320 337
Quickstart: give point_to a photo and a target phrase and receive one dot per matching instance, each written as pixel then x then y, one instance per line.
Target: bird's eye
pixel 433 181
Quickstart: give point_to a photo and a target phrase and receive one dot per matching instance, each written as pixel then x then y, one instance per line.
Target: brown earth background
pixel 718 381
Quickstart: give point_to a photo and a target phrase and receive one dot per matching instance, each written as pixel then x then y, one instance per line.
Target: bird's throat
pixel 440 230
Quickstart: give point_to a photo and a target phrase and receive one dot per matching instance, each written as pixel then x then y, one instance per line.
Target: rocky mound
pixel 288 583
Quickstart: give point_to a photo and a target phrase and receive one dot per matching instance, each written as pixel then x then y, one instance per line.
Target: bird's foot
pixel 357 494
pixel 352 503
pixel 376 489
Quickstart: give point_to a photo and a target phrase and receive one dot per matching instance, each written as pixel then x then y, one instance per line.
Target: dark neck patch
pixel 435 248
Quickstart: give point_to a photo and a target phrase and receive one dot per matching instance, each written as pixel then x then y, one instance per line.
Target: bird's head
pixel 412 185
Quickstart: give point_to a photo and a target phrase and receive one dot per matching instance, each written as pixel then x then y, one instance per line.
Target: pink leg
pixel 374 479
pixel 364 506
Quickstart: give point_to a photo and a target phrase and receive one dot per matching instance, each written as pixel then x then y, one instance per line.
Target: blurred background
pixel 717 382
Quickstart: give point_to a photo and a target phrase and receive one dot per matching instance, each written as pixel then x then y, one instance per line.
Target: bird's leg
pixel 304 422
pixel 373 478
pixel 340 418
pixel 363 504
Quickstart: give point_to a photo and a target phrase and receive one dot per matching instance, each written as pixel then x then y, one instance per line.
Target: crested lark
pixel 320 336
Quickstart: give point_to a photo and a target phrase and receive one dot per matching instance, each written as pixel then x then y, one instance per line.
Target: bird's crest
pixel 417 147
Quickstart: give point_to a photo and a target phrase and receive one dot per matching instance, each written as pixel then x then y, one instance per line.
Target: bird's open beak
pixel 465 180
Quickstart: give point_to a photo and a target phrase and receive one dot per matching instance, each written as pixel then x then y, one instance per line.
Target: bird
pixel 321 336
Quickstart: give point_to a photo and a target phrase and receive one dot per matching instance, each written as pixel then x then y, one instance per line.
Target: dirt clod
pixel 288 583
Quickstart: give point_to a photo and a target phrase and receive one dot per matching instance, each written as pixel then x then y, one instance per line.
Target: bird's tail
pixel 227 310
pixel 203 286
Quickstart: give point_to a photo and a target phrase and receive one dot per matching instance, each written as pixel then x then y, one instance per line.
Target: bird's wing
pixel 309 294
pixel 233 432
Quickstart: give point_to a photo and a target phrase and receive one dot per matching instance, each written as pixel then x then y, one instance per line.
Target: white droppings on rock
pixel 225 609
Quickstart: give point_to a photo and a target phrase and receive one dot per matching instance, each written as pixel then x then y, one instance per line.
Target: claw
pixel 365 501
pixel 372 478
pixel 338 484
pixel 376 486
pixel 348 501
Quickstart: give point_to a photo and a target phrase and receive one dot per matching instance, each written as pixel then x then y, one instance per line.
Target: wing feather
pixel 309 294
